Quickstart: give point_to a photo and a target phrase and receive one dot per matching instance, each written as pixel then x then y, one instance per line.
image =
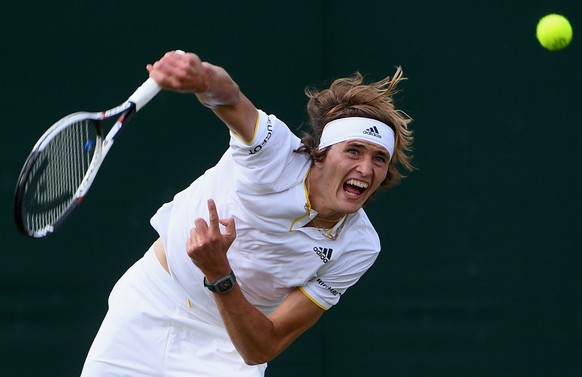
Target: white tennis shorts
pixel 150 330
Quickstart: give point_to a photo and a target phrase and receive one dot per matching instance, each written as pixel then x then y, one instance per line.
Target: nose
pixel 365 167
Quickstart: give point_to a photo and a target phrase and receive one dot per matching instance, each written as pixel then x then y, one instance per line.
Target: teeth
pixel 357 183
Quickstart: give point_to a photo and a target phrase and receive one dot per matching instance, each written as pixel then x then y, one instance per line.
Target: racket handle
pixel 144 93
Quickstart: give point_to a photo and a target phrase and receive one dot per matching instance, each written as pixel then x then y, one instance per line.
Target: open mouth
pixel 355 188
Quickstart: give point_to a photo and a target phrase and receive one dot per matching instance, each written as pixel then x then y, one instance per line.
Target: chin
pixel 351 209
pixel 350 205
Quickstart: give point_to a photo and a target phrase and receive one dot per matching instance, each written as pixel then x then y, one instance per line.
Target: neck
pixel 333 220
pixel 325 219
pixel 322 223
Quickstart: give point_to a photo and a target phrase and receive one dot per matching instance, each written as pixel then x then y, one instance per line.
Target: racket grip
pixel 144 93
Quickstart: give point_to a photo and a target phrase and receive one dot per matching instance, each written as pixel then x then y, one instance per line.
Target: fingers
pixel 180 71
pixel 212 227
pixel 207 245
pixel 213 216
pixel 230 229
pixel 214 221
pixel 169 71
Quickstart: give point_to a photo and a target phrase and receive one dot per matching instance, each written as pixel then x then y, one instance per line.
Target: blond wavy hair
pixel 351 97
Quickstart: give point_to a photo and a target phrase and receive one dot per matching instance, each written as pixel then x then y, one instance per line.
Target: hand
pixel 207 245
pixel 182 72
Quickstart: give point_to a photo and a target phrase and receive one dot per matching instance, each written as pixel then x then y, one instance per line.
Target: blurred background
pixel 480 269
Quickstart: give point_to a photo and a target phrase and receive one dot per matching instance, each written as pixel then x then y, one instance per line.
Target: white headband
pixel 367 129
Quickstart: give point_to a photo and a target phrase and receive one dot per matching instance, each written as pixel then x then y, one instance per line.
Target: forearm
pixel 213 87
pixel 259 338
pixel 252 333
pixel 224 97
pixel 219 89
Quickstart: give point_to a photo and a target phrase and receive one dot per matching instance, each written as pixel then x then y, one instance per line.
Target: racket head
pixel 57 173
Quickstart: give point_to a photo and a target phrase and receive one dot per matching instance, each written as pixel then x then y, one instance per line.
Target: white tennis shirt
pixel 262 186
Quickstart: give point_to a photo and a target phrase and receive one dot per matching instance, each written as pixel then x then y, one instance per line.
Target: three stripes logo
pixel 324 253
pixel 373 131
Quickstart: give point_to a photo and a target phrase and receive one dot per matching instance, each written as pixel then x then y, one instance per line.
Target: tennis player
pixel 254 251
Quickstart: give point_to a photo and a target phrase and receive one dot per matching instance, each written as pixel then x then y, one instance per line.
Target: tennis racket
pixel 64 162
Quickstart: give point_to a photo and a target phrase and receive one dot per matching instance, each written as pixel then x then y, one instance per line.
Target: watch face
pixel 224 286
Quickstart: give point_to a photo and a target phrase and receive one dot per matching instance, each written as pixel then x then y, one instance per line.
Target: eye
pixel 353 151
pixel 381 159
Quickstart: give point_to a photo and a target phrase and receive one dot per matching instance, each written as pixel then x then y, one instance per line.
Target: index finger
pixel 212 215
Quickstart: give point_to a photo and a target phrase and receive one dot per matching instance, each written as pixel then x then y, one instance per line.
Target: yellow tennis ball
pixel 554 32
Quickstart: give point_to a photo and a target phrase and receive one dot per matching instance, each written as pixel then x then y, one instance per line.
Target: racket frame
pixel 124 112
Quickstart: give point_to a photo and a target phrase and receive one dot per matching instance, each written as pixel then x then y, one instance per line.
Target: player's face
pixel 351 172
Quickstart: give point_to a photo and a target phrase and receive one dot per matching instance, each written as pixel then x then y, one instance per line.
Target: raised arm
pixel 185 72
pixel 257 338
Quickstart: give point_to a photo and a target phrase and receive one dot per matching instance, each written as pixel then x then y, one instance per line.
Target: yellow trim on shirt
pixel 308 204
pixel 311 298
pixel 296 220
pixel 306 188
pixel 254 132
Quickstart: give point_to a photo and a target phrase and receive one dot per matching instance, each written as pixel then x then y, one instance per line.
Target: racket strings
pixel 57 173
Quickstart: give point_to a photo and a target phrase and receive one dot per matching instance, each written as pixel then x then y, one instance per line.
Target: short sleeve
pixel 261 164
pixel 326 289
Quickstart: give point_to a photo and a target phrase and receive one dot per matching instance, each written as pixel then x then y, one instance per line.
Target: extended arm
pixel 258 338
pixel 212 85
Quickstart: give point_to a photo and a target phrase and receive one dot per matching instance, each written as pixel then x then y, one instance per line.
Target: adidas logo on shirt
pixel 324 253
pixel 373 131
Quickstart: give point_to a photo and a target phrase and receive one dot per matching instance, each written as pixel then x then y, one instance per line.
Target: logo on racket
pixel 116 110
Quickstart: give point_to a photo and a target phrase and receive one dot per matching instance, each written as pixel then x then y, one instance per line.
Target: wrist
pixel 221 285
pixel 217 271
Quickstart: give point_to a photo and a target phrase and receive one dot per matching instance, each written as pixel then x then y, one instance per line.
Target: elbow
pixel 256 360
pixel 253 362
pixel 258 357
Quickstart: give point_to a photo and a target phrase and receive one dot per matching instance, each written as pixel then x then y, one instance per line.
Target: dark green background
pixel 480 270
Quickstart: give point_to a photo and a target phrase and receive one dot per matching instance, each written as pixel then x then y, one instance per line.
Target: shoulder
pixel 360 228
pixel 269 160
pixel 271 134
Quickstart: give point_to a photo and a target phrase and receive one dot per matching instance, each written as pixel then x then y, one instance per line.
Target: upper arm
pixel 224 97
pixel 240 117
pixel 292 317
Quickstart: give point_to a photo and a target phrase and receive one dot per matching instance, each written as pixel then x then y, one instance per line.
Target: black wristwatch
pixel 222 285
